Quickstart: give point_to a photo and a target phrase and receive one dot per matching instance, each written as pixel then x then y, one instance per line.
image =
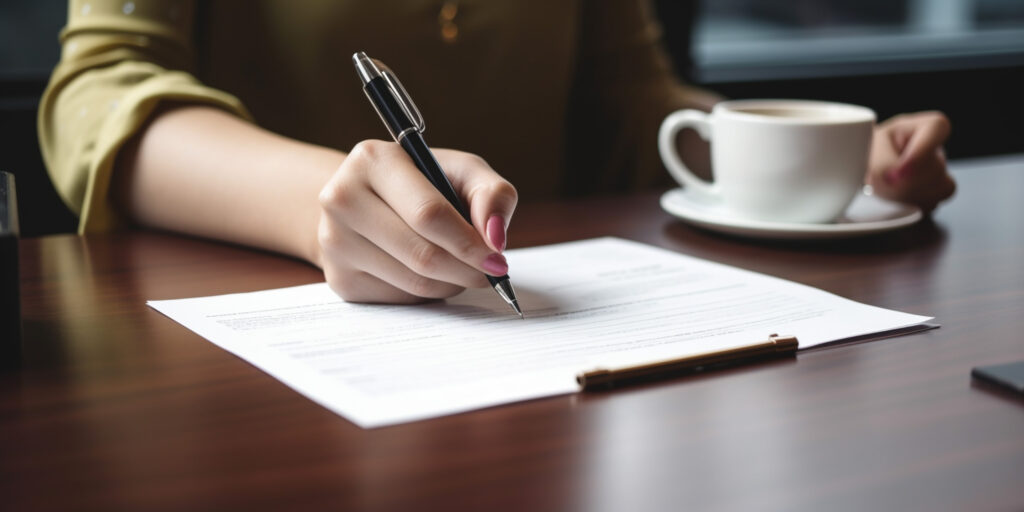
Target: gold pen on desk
pixel 773 347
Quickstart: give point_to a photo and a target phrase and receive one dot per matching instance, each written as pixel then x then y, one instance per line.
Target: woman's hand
pixel 387 235
pixel 907 161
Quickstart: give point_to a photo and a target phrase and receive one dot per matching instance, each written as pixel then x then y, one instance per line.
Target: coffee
pixel 790 112
pixel 776 160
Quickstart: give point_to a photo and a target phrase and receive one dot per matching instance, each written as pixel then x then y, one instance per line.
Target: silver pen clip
pixel 402 97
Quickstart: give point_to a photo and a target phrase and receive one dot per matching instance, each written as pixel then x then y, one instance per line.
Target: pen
pixel 406 125
pixel 775 345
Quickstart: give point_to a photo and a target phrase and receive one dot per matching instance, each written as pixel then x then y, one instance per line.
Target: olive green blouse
pixel 560 97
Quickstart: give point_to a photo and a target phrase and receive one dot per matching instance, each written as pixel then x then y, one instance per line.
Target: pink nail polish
pixel 495 265
pixel 903 172
pixel 896 174
pixel 496 232
pixel 889 176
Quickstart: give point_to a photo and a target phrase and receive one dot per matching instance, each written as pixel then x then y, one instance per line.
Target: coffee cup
pixel 794 161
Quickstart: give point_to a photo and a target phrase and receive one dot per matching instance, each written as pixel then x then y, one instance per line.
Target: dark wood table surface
pixel 116 407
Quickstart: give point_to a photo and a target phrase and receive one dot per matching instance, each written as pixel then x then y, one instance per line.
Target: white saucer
pixel 866 215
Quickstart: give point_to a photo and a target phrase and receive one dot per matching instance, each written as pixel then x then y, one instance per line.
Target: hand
pixel 907 161
pixel 387 235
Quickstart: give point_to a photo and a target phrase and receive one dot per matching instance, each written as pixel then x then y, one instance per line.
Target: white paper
pixel 596 303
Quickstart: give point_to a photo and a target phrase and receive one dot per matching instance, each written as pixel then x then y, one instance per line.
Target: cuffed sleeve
pixel 119 61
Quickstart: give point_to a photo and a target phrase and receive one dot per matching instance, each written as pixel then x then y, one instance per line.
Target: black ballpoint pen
pixel 406 125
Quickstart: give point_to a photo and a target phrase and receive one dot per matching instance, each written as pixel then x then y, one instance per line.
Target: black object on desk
pixel 10 299
pixel 1009 376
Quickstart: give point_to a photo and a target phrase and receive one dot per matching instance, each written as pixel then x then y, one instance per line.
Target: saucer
pixel 867 214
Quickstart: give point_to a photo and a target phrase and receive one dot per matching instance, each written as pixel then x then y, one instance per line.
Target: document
pixel 604 302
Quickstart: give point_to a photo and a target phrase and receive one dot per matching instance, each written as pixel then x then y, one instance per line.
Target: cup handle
pixel 670 127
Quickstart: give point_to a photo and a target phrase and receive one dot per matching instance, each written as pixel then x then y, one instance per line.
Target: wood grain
pixel 116 407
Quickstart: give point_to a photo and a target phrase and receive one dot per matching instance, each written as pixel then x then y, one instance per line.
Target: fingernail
pixel 496 232
pixel 897 174
pixel 889 176
pixel 495 265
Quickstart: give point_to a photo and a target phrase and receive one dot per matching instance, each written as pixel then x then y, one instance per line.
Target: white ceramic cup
pixel 776 160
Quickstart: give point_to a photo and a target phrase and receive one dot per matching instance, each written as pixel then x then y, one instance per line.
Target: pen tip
pixel 504 289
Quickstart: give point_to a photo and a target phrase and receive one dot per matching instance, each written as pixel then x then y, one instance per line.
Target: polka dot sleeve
pixel 119 60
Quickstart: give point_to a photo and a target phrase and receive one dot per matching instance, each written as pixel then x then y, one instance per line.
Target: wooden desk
pixel 117 407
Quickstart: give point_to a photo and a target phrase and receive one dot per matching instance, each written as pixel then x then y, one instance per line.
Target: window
pixel 738 40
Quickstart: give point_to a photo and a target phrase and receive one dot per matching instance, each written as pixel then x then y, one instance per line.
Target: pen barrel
pixel 387 107
pixel 403 130
pixel 415 146
pixel 417 149
pixel 775 346
pixel 421 155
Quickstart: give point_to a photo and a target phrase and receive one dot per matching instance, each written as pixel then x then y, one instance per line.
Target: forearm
pixel 202 171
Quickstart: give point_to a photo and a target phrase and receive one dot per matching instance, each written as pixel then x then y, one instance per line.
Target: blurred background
pixel 964 57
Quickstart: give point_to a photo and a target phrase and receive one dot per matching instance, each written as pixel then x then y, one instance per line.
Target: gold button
pixel 448 11
pixel 446 19
pixel 449 32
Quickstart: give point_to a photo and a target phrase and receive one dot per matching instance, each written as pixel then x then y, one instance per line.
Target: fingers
pixel 491 199
pixel 425 211
pixel 366 273
pixel 362 287
pixel 387 235
pixel 375 222
pixel 907 160
pixel 917 137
